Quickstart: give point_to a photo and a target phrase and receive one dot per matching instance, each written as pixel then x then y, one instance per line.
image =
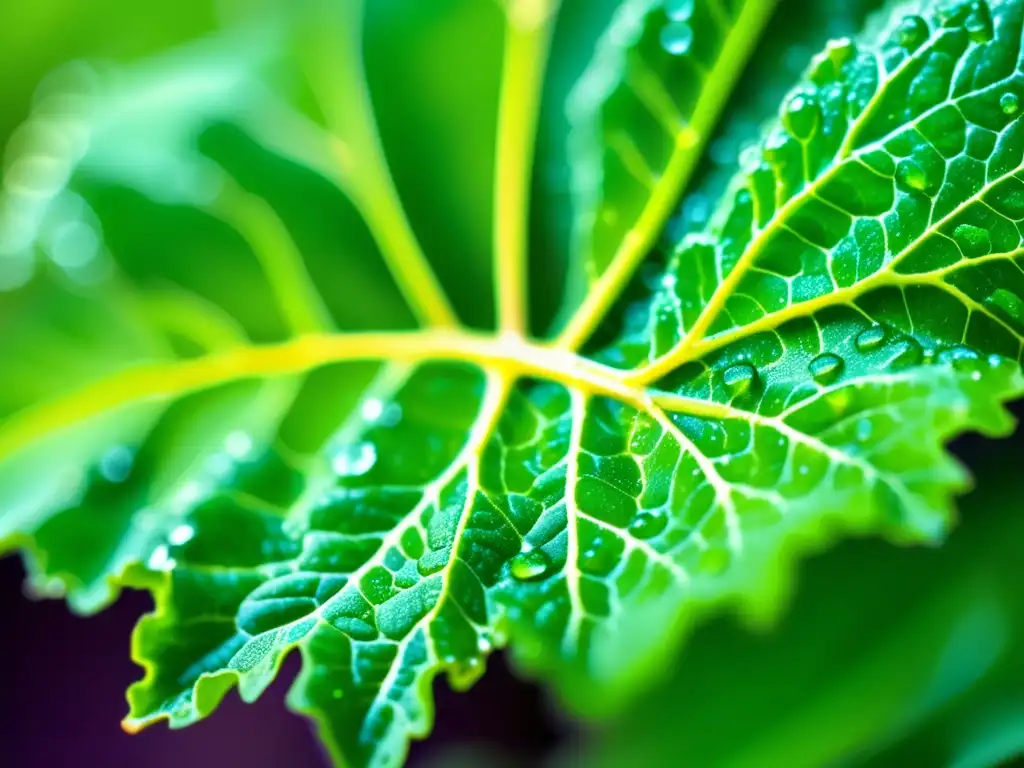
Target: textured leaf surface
pixel 269 447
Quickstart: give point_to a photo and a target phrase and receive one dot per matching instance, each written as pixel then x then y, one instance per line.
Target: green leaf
pixel 270 446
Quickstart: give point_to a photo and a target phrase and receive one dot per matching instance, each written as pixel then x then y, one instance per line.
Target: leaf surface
pixel 300 469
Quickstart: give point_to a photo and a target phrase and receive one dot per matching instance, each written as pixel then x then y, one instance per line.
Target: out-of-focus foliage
pixel 266 302
pixel 885 658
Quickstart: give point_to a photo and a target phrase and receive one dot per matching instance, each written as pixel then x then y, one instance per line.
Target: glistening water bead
pixel 870 339
pixel 802 115
pixel 527 566
pixel 826 368
pixel 647 525
pixel 739 379
pixel 679 10
pixel 912 32
pixel 676 38
pixel 1009 102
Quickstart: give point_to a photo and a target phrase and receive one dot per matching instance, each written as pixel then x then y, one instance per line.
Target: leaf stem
pixel 527 41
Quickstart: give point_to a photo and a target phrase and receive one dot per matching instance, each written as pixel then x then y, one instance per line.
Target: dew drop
pixel 841 51
pixel 864 430
pixel 739 379
pixel 679 10
pixel 371 409
pixel 826 368
pixel 462 673
pixel 910 353
pixel 979 24
pixel 961 358
pixel 802 115
pixel 529 566
pixel 116 464
pixel 912 32
pixel 1009 102
pixel 160 560
pixel 911 177
pixel 953 14
pixel 355 459
pixel 238 445
pixel 870 339
pixel 774 146
pixel 1009 305
pixel 973 241
pixel 676 38
pixel 647 525
pixel 181 535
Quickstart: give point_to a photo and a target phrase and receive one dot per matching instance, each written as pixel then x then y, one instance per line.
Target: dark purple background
pixel 62 699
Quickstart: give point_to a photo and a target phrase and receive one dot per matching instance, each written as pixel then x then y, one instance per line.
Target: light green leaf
pixel 295 468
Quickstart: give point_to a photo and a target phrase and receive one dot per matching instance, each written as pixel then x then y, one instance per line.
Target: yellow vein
pixel 881 279
pixel 336 77
pixel 161 379
pixel 720 411
pixel 640 238
pixel 191 316
pixel 527 39
pixel 259 225
pixel 694 344
pixel 578 414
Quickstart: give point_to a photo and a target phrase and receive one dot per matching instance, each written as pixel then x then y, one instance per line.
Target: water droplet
pixel 826 368
pixel 774 146
pixel 73 244
pixel 647 525
pixel 802 115
pixel 462 673
pixel 979 24
pixel 372 409
pixel 355 459
pixel 864 430
pixel 238 445
pixel 870 339
pixel 160 560
pixel 676 38
pixel 181 535
pixel 679 10
pixel 953 14
pixel 841 51
pixel 529 566
pixel 973 241
pixel 1009 102
pixel 739 379
pixel 911 177
pixel 116 464
pixel 912 32
pixel 961 358
pixel 1009 305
